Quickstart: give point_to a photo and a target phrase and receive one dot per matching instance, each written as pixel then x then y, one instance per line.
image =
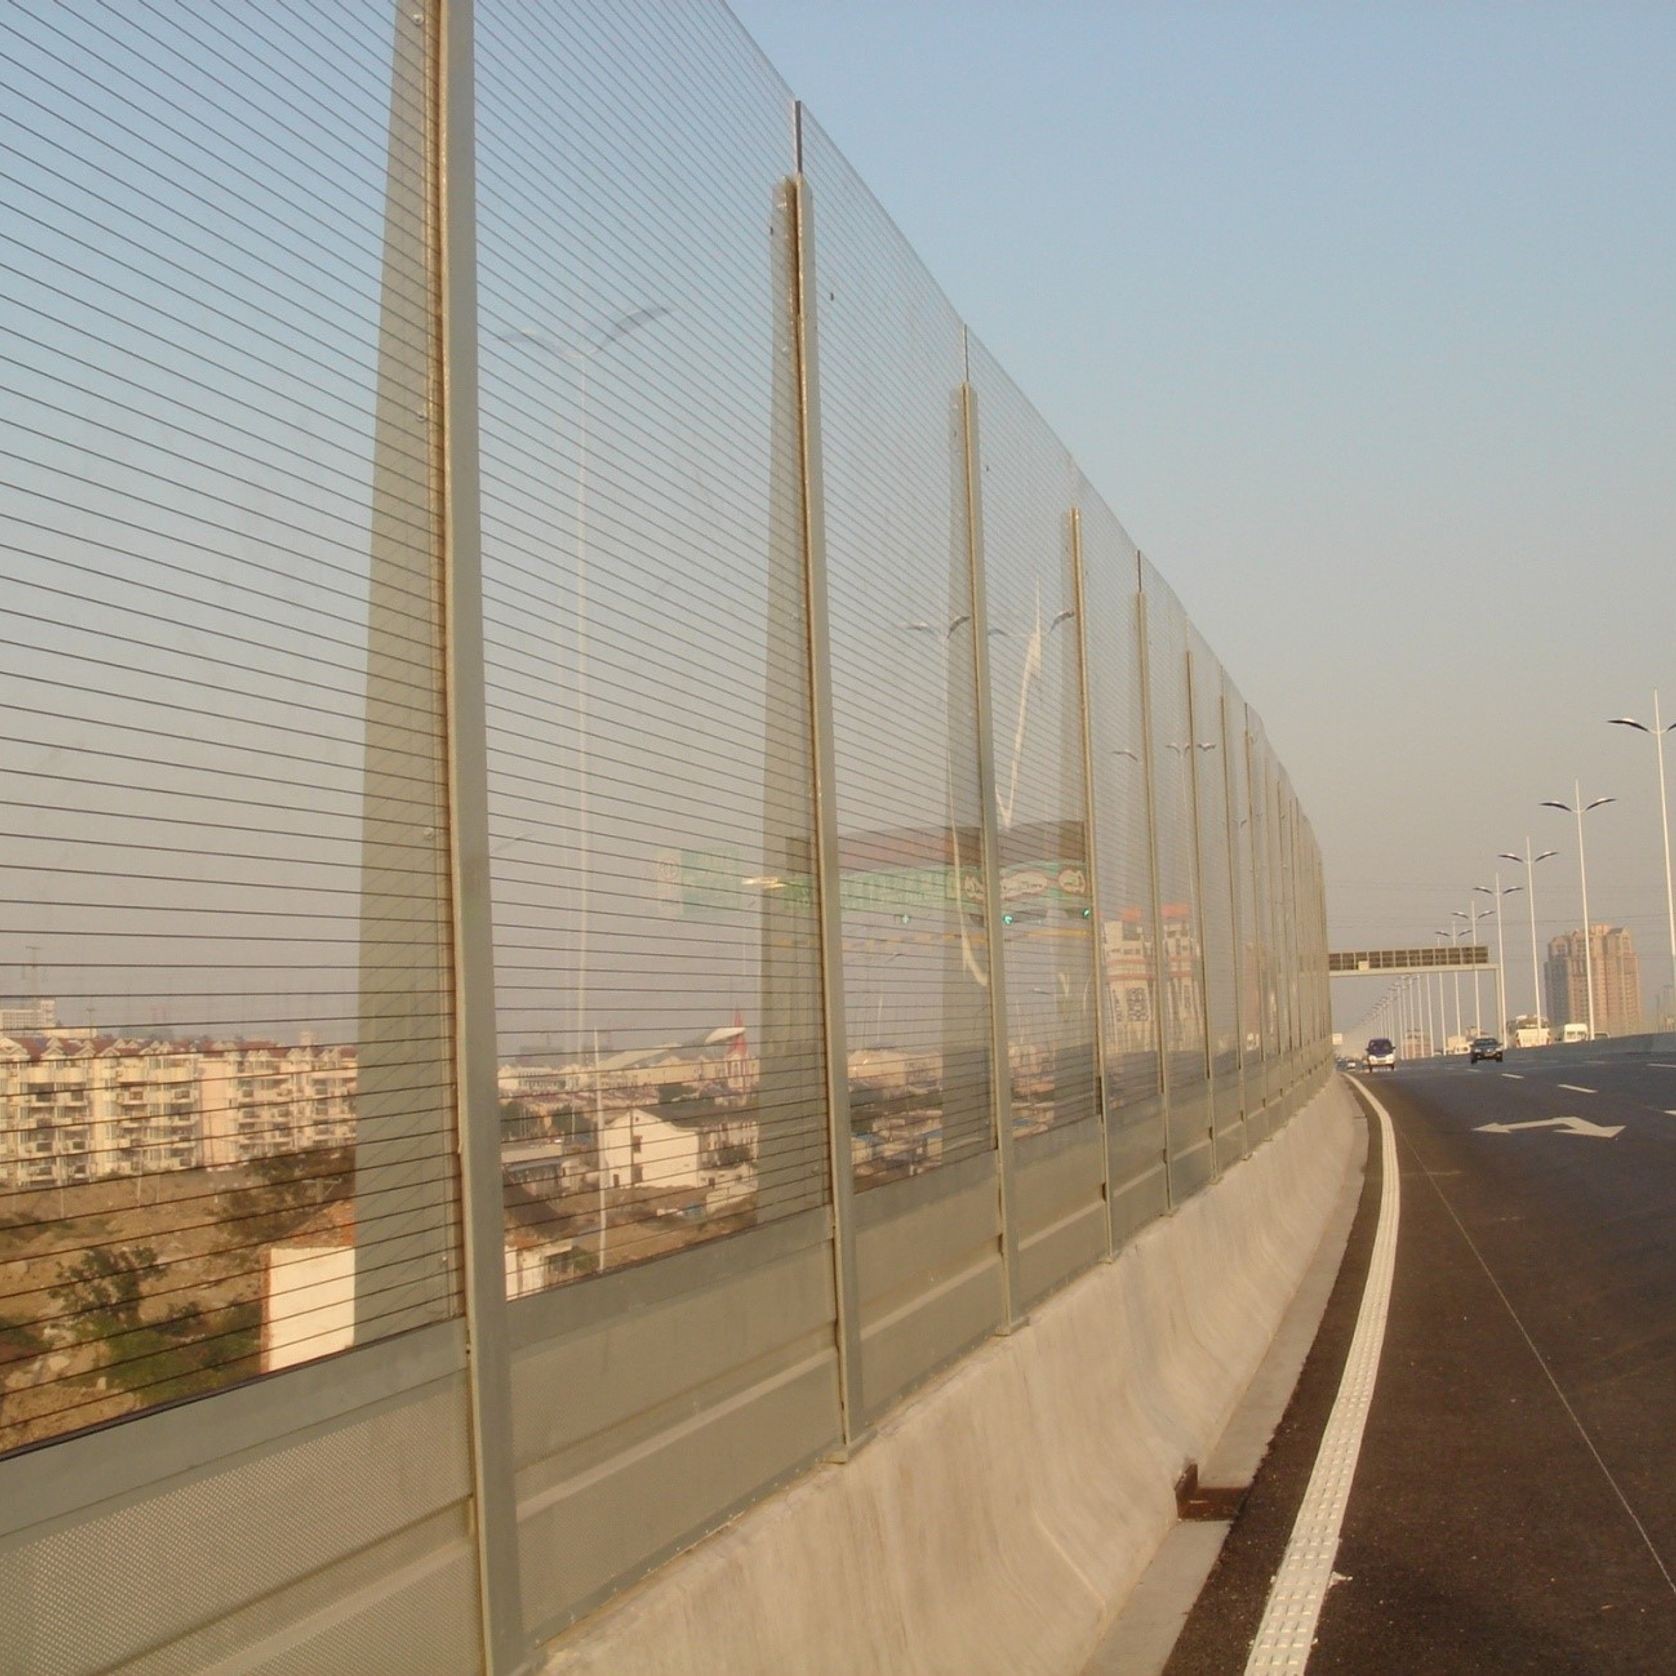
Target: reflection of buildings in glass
pixel 80 1108
pixel 634 1155
pixel 1184 999
pixel 25 1014
pixel 1617 980
pixel 915 965
pixel 898 1125
pixel 718 1062
pixel 1130 979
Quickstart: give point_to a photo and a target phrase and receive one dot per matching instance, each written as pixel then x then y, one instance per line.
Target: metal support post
pixel 477 1124
pixel 800 231
pixel 1259 960
pixel 1191 756
pixel 404 1186
pixel 1160 970
pixel 1236 942
pixel 1001 1068
pixel 1091 826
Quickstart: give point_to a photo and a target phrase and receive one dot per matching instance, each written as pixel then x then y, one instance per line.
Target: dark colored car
pixel 1485 1047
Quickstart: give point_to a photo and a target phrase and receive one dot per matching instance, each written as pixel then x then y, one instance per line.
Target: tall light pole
pixel 582 357
pixel 1454 934
pixel 1530 862
pixel 1501 949
pixel 1579 808
pixel 1658 730
pixel 1470 915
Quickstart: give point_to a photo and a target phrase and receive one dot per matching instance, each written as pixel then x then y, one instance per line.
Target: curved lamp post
pixel 1470 915
pixel 1501 948
pixel 1579 808
pixel 1657 732
pixel 1530 862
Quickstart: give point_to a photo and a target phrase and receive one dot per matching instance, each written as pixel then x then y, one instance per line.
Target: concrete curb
pixel 1001 1515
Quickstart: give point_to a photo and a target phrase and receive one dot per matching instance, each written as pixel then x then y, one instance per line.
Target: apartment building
pixel 1617 980
pixel 82 1108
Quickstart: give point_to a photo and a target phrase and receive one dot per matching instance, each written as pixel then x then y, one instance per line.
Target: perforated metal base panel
pixel 928 1257
pixel 1061 1207
pixel 336 1536
pixel 637 1427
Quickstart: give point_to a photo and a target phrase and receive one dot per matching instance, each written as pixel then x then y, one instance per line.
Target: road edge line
pixel 1287 1633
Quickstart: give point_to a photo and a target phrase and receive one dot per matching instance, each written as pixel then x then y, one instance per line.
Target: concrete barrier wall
pixel 1661 1042
pixel 1001 1513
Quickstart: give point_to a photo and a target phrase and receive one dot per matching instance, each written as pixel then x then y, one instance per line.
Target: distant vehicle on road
pixel 1574 1033
pixel 1485 1047
pixel 1382 1054
pixel 1531 1035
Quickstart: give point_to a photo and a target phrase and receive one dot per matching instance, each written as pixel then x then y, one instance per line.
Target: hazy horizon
pixel 1360 320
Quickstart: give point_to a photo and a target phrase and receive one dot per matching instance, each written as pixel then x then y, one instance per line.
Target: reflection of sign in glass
pixel 703 882
pixel 667 873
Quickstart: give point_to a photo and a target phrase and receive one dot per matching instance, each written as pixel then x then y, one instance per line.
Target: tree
pixel 178 1352
pixel 21 1342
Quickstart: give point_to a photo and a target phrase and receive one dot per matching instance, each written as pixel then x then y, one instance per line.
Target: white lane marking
pixel 1575 1089
pixel 1670 1113
pixel 1513 1076
pixel 1571 1126
pixel 1287 1632
pixel 1658 1067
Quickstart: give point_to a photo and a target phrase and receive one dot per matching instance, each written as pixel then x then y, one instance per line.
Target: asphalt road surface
pixel 1514 1505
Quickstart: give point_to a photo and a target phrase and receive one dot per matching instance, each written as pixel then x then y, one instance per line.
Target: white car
pixel 1382 1054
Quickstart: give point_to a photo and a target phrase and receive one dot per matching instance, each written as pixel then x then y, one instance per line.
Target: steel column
pixel 1160 972
pixel 1000 1061
pixel 477 1123
pixel 1236 943
pixel 1091 826
pixel 800 230
pixel 1199 915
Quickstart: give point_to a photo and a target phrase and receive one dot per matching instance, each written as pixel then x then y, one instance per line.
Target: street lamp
pixel 1658 730
pixel 1579 808
pixel 1530 862
pixel 582 358
pixel 1470 915
pixel 1501 948
pixel 1454 935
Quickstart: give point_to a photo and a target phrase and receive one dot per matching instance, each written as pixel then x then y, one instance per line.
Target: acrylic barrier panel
pixel 1173 747
pixel 1210 769
pixel 225 1069
pixel 662 1067
pixel 1029 487
pixel 1128 954
pixel 915 942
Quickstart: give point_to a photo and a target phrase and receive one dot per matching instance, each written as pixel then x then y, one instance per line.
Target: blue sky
pixel 1361 319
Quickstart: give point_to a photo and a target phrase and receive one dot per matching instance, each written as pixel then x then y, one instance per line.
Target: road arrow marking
pixel 1570 1125
pixel 1573 1088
